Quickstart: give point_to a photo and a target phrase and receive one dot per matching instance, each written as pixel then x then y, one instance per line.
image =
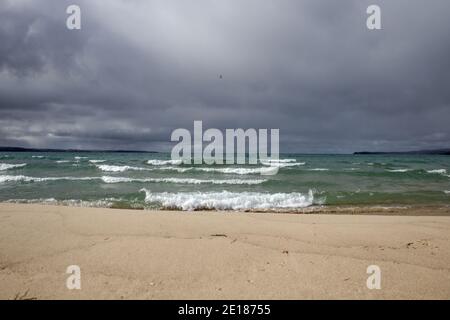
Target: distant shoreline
pixel 414 152
pixel 19 149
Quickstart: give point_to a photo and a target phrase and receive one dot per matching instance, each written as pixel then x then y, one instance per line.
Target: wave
pixel 283 164
pixel 110 168
pixel 63 161
pixel 108 179
pixel 319 169
pixel 278 160
pixel 447 191
pixel 164 162
pixel 96 161
pixel 7 166
pixel 440 171
pixel 226 200
pixel 101 203
pixel 22 178
pixel 38 157
pixel 80 158
pixel 240 171
pixel 398 170
pixel 177 169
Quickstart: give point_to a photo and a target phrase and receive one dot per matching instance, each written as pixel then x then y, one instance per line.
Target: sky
pixel 137 70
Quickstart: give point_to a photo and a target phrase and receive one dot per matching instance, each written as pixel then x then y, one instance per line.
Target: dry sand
pixel 129 254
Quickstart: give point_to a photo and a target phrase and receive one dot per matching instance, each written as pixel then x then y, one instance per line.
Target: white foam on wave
pixel 101 203
pixel 39 179
pixel 319 169
pixel 240 171
pixel 164 162
pixel 439 171
pixel 447 191
pixel 283 164
pixel 278 160
pixel 7 166
pixel 110 168
pixel 226 200
pixel 108 179
pixel 96 161
pixel 62 161
pixel 38 157
pixel 80 158
pixel 177 169
pixel 399 170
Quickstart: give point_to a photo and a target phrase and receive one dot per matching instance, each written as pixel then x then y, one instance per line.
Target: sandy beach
pixel 135 254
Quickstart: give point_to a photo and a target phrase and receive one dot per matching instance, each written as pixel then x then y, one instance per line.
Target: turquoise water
pixel 151 180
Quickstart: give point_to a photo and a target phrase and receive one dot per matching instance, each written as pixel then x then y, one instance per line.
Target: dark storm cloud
pixel 139 69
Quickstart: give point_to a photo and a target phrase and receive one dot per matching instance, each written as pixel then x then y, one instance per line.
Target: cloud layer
pixel 139 69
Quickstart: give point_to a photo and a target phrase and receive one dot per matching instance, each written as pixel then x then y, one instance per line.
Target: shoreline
pixel 382 210
pixel 135 254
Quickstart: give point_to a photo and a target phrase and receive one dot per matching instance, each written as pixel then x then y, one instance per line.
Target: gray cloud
pixel 139 69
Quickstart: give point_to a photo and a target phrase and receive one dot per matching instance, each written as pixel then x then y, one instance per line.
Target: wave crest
pixel 164 162
pixel 108 179
pixel 7 166
pixel 226 200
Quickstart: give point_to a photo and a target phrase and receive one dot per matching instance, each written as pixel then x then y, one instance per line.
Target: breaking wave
pixel 109 168
pixel 226 200
pixel 240 171
pixel 439 171
pixel 282 164
pixel 108 179
pixel 37 179
pixel 399 170
pixel 279 160
pixel 101 203
pixel 96 161
pixel 164 162
pixel 7 166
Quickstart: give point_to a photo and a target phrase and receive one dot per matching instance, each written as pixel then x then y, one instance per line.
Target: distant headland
pixel 436 151
pixel 19 149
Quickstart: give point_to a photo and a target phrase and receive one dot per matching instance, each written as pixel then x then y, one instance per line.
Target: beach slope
pixel 131 254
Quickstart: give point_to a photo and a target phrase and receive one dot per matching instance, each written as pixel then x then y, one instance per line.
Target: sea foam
pixel 108 179
pixel 399 170
pixel 226 200
pixel 7 166
pixel 164 162
pixel 110 168
pixel 96 161
pixel 240 171
pixel 439 171
pixel 22 178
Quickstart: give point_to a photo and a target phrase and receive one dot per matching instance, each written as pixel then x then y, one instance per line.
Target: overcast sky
pixel 137 70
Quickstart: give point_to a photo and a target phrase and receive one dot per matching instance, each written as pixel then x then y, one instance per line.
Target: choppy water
pixel 147 180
